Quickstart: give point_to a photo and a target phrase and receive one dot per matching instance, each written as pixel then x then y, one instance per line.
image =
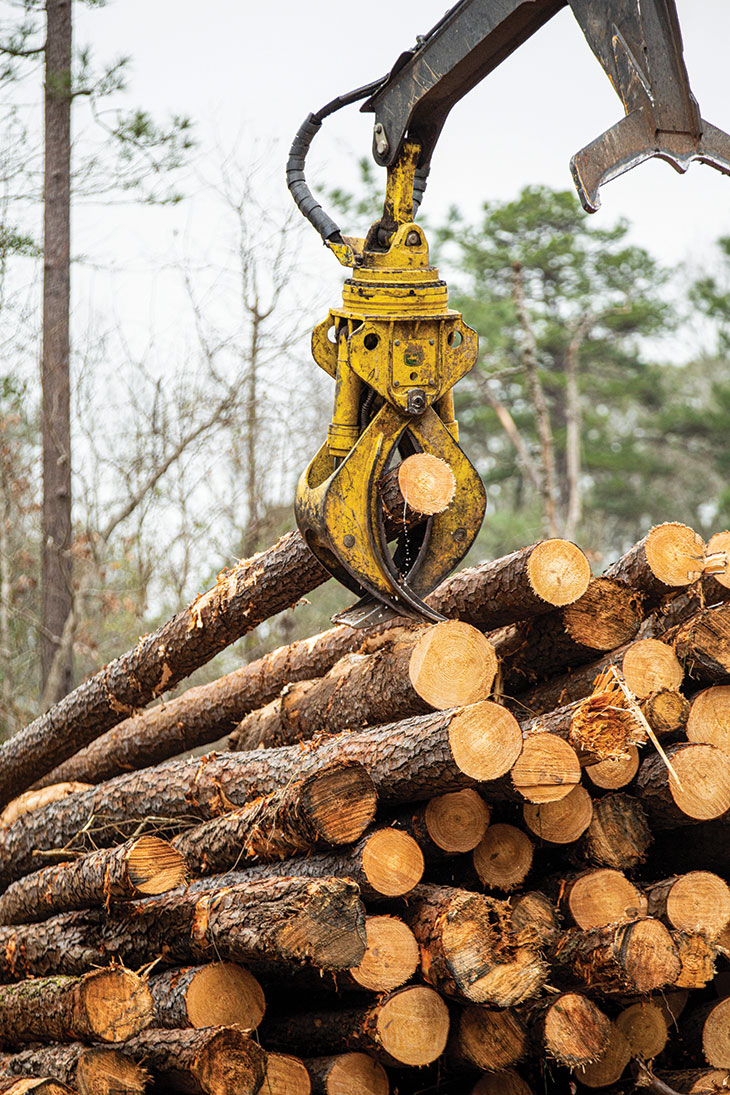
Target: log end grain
pixel 606 616
pixel 699 902
pixel 610 1067
pixel 393 863
pixel 547 769
pixel 534 920
pixel 719 546
pixel 285 1075
pixel 224 994
pixel 229 1061
pixel 618 835
pixel 649 665
pixel 452 665
pixel 154 866
pixel 457 821
pixel 708 722
pixel 308 936
pixel 117 1004
pixel 604 896
pixel 346 1073
pixel 649 956
pixel 644 1026
pixel 109 1072
pixel 558 572
pixel 701 787
pixel 716 1035
pixel 341 802
pixel 697 955
pixel 489 1038
pixel 508 1082
pixel 413 1025
pixel 574 1031
pixel 666 711
pixel 503 857
pixel 485 740
pixel 675 553
pixel 614 772
pixel 560 822
pixel 426 482
pixel 391 955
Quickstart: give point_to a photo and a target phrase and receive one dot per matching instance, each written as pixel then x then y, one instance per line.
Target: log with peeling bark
pixel 90 1070
pixel 332 806
pixel 408 1027
pixel 218 994
pixel 288 920
pixel 409 760
pixel 104 1005
pixel 595 899
pixel 702 644
pixel 571 1029
pixel 618 835
pixel 347 1072
pixel 696 789
pixel 638 956
pixel 468 948
pixel 449 664
pixel 147 865
pixel 698 901
pixel 487 1038
pixel 670 557
pixel 212 1061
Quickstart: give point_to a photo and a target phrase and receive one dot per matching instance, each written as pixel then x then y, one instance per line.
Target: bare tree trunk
pixel 56 576
pixel 572 429
pixel 6 679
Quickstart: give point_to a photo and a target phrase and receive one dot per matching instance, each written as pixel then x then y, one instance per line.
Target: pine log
pixel 146 865
pixel 599 727
pixel 547 769
pixel 345 1073
pixel 666 711
pixel 503 858
pixel 605 617
pixel 646 665
pixel 447 824
pixel 669 557
pixel 105 1005
pixel 487 1038
pixel 42 1085
pixel 611 1065
pixel 702 644
pixel 698 791
pixel 212 1061
pixel 33 800
pixel 391 955
pixel 449 664
pixel 207 713
pixel 598 898
pixel 218 994
pixel 422 483
pixel 89 1070
pixel 618 835
pixel 508 1082
pixel 695 902
pixel 291 921
pixel 571 1029
pixel 614 772
pixel 285 1075
pixel 534 920
pixel 696 1081
pixel 332 806
pixel 639 956
pixel 645 1028
pixel 407 761
pixel 710 1026
pixel 408 1027
pixel 468 947
pixel 560 822
pixel 708 722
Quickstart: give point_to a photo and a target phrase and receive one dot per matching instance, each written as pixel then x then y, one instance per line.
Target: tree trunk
pixel 33 800
pixel 347 1072
pixel 639 956
pixel 332 806
pixel 56 570
pixel 702 644
pixel 146 865
pixel 106 1006
pixel 448 665
pixel 89 1071
pixel 219 994
pixel 201 1062
pixel 468 947
pixel 668 558
pixel 409 1027
pixel 695 902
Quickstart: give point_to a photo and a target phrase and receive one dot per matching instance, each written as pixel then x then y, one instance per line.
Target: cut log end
pixel 699 902
pixel 508 1082
pixel 610 1067
pixel 615 772
pixel 391 956
pixel 413 1026
pixel 649 665
pixel 117 1003
pixel 644 1026
pixel 452 665
pixel 575 1031
pixel 675 554
pixel 716 1035
pixel 154 866
pixel 708 722
pixel 341 802
pixel 347 1073
pixel 228 1063
pixel 457 821
pixel 285 1075
pixel 649 956
pixel 503 857
pixel 489 1038
pixel 666 711
pixel 485 740
pixel 109 1072
pixel 604 897
pixel 605 617
pixel 701 787
pixel 426 482
pixel 224 994
pixel 558 572
pixel 563 821
pixel 547 769
pixel 393 863
pixel 718 546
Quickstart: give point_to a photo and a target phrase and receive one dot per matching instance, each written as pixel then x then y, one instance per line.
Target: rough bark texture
pixel 105 1006
pixel 702 644
pixel 409 760
pixel 219 994
pixel 90 1071
pixel 332 806
pixel 669 557
pixel 142 866
pixel 618 959
pixel 201 1062
pixel 284 920
pixel 699 792
pixel 468 948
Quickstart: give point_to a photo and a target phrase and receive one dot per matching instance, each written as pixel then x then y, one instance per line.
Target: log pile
pixel 489 855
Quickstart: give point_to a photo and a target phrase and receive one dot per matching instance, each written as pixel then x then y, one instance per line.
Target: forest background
pixel 599 406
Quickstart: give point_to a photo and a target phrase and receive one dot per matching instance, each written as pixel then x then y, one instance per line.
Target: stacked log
pixel 485 855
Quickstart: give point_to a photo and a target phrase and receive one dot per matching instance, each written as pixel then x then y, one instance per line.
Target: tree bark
pixel 216 1061
pixel 106 1005
pixel 218 994
pixel 288 920
pixel 639 956
pixel 448 665
pixel 56 569
pixel 700 791
pixel 668 558
pixel 146 865
pixel 702 644
pixel 89 1071
pixel 332 806
pixel 408 760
